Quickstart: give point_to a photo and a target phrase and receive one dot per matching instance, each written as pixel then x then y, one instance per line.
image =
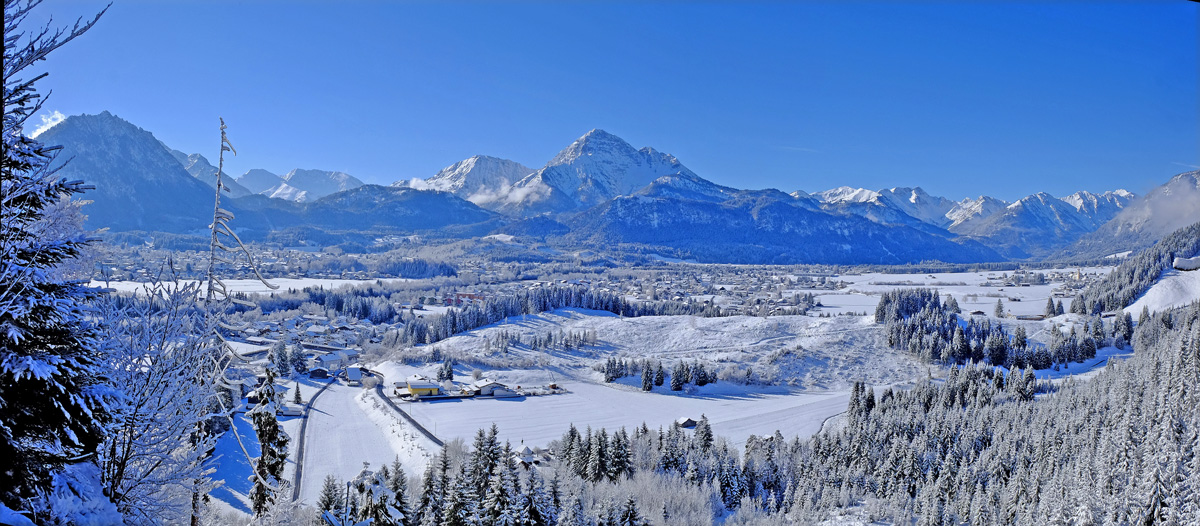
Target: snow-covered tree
pixel 268 467
pixel 161 353
pixel 53 399
pixel 332 497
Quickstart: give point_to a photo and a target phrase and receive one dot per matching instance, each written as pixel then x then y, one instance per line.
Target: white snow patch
pixel 1173 289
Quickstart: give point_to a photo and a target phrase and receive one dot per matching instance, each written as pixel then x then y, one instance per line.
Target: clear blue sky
pixel 962 99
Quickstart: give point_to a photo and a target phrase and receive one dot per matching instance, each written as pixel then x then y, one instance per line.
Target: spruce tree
pixel 999 308
pixel 268 468
pixel 53 401
pixel 660 375
pixel 398 483
pixel 331 497
pixel 647 379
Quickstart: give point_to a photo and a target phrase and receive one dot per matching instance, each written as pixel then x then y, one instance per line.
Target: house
pixel 685 422
pixel 421 386
pixel 290 410
pixel 504 392
pixel 354 373
pixel 485 387
pixel 318 372
pixel 328 361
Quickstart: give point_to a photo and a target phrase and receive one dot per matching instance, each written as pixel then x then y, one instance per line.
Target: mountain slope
pixel 479 179
pixel 309 185
pixel 258 180
pixel 592 170
pixel 1040 224
pixel 969 210
pixel 139 184
pixel 761 228
pixel 1144 221
pixel 201 169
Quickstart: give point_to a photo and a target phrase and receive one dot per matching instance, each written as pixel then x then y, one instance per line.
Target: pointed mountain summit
pixel 1142 222
pixel 310 185
pixel 479 179
pixel 258 180
pixel 595 168
pixel 967 211
pixel 139 184
pixel 1040 224
pixel 201 169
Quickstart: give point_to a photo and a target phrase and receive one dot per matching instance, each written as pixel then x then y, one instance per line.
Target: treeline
pixel 431 329
pixel 1134 276
pixel 916 320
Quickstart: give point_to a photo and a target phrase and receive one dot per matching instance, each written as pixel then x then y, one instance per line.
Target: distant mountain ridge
pixel 599 189
pixel 1145 220
pixel 142 185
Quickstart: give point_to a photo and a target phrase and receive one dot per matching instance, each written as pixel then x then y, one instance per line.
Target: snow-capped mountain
pixel 761 227
pixel 1106 205
pixel 297 185
pixel 970 210
pixel 201 169
pixel 258 180
pixel 901 206
pixel 1040 224
pixel 308 185
pixel 479 179
pixel 595 168
pixel 1145 220
pixel 139 184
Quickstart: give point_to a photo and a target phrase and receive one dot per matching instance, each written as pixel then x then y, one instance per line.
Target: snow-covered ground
pixel 968 289
pixel 735 412
pixel 1175 288
pixel 348 426
pixel 810 361
pixel 818 357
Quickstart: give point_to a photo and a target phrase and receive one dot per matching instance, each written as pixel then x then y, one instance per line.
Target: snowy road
pixel 346 429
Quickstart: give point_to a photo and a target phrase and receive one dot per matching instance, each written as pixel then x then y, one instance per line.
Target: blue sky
pixel 962 99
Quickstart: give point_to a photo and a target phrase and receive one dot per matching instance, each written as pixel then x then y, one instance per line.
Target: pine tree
pixel 1050 311
pixel 331 497
pixel 573 514
pixel 629 515
pixel 677 378
pixel 398 484
pixel 999 308
pixel 647 379
pixel 54 400
pixel 660 375
pixel 297 361
pixel 268 468
pixel 296 395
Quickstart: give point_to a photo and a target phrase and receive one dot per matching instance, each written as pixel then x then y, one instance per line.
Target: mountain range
pixel 601 191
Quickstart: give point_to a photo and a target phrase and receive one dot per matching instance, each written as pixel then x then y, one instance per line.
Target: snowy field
pixel 735 412
pixel 818 357
pixel 968 288
pixel 253 286
pixel 1175 288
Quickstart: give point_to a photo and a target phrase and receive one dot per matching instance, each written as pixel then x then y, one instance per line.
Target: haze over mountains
pixel 601 191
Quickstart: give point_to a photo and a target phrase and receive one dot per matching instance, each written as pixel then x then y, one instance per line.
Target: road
pixel 339 436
